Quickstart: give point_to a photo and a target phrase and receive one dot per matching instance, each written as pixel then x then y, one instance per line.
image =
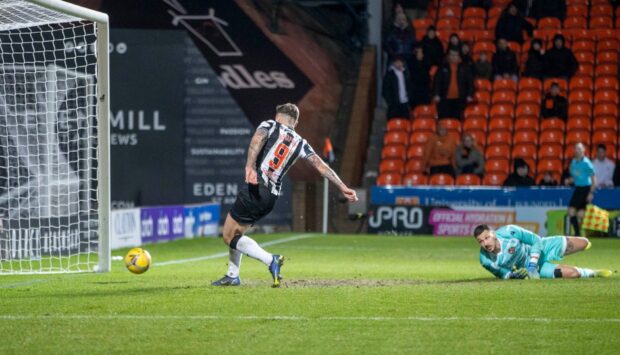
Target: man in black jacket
pixel 560 62
pixel 505 62
pixel 511 25
pixel 554 104
pixel 397 89
pixel 420 68
pixel 453 87
pixel 520 176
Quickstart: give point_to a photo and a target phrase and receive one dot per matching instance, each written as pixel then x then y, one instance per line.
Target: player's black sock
pixel 575 223
pixel 233 242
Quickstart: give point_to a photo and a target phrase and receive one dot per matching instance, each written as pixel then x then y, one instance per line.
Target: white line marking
pixel 220 255
pixel 304 318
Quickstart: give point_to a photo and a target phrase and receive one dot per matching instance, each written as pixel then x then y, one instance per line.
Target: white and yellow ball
pixel 138 260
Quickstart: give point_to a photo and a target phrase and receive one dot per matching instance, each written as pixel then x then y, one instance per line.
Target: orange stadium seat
pixel 585 70
pixel 515 47
pixel 500 124
pixel 526 124
pixel 392 166
pixel 606 97
pixel 497 151
pixel 494 179
pixel 492 23
pixel 472 23
pixel 421 25
pixel 530 84
pixel 607 58
pixel 604 33
pixel 485 36
pixel 415 151
pixel 504 85
pixel 484 47
pixel 549 23
pixel 576 10
pixel 448 24
pixel 529 97
pixel 552 124
pixel 604 137
pixel 482 98
pixel 482 85
pixel 394 151
pixel 468 180
pixel 608 45
pixel 474 12
pixel 414 166
pixel 476 111
pixel 425 111
pixel 475 124
pixel 414 179
pixel 606 110
pixel 578 124
pixel 398 124
pixel 550 151
pixel 495 11
pixel 549 165
pixel 424 125
pixel 582 83
pixel 467 35
pixel 574 137
pixel 479 137
pixel 499 138
pixel 606 70
pixel 578 96
pixel 389 179
pixel 550 138
pixel 396 137
pixel 525 137
pixel 601 22
pixel 528 110
pixel 441 180
pixel 585 57
pixel 579 111
pixel 504 111
pixel 575 22
pixel 503 97
pixel 448 11
pixel 582 46
pixel 451 124
pixel 526 152
pixel 606 83
pixel 497 166
pixel 601 10
pixel 577 34
pixel 605 123
pixel 420 137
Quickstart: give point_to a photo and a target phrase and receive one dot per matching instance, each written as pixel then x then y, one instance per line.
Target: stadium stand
pixel 504 117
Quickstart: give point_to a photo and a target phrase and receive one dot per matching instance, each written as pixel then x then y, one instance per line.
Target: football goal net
pixel 54 155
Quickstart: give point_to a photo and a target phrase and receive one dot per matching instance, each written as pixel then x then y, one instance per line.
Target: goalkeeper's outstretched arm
pixel 331 175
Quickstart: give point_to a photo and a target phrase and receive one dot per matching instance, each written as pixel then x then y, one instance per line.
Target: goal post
pixel 54 138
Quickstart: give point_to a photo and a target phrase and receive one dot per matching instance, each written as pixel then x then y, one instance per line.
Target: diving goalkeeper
pixel 512 252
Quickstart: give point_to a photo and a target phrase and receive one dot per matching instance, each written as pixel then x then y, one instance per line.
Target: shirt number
pixel 279 156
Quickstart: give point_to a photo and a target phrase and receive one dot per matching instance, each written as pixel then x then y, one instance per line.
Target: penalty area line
pixel 220 255
pixel 303 318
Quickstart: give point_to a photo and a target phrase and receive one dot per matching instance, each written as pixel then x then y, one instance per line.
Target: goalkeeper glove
pixel 532 270
pixel 518 273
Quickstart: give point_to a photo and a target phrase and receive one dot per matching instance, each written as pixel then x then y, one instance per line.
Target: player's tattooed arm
pixel 256 144
pixel 327 172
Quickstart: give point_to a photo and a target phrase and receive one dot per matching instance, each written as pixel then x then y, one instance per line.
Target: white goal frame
pixel 103 110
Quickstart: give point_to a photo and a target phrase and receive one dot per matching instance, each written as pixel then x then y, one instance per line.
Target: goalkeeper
pixel 512 252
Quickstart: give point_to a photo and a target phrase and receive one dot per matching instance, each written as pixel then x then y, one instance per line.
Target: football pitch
pixel 353 294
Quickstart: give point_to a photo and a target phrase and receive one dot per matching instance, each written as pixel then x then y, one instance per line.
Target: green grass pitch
pixel 341 295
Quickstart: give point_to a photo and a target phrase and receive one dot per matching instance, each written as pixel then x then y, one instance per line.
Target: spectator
pixel 560 62
pixel 439 153
pixel 400 38
pixel 485 4
pixel 554 104
pixel 524 7
pixel 397 89
pixel 511 25
pixel 548 180
pixel 520 176
pixel 432 47
pixel 420 68
pixel 582 175
pixel 454 43
pixel 468 158
pixel 453 87
pixel 603 167
pixel 466 58
pixel 617 174
pixel 415 9
pixel 505 62
pixel 535 64
pixel 483 68
pixel 549 8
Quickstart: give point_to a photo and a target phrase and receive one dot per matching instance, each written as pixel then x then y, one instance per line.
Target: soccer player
pixel 512 252
pixel 582 174
pixel 274 148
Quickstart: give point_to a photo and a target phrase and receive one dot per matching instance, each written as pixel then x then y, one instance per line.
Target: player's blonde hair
pixel 288 109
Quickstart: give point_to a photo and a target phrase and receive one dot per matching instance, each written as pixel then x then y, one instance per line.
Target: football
pixel 138 260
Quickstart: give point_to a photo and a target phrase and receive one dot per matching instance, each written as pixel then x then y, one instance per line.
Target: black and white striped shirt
pixel 281 150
